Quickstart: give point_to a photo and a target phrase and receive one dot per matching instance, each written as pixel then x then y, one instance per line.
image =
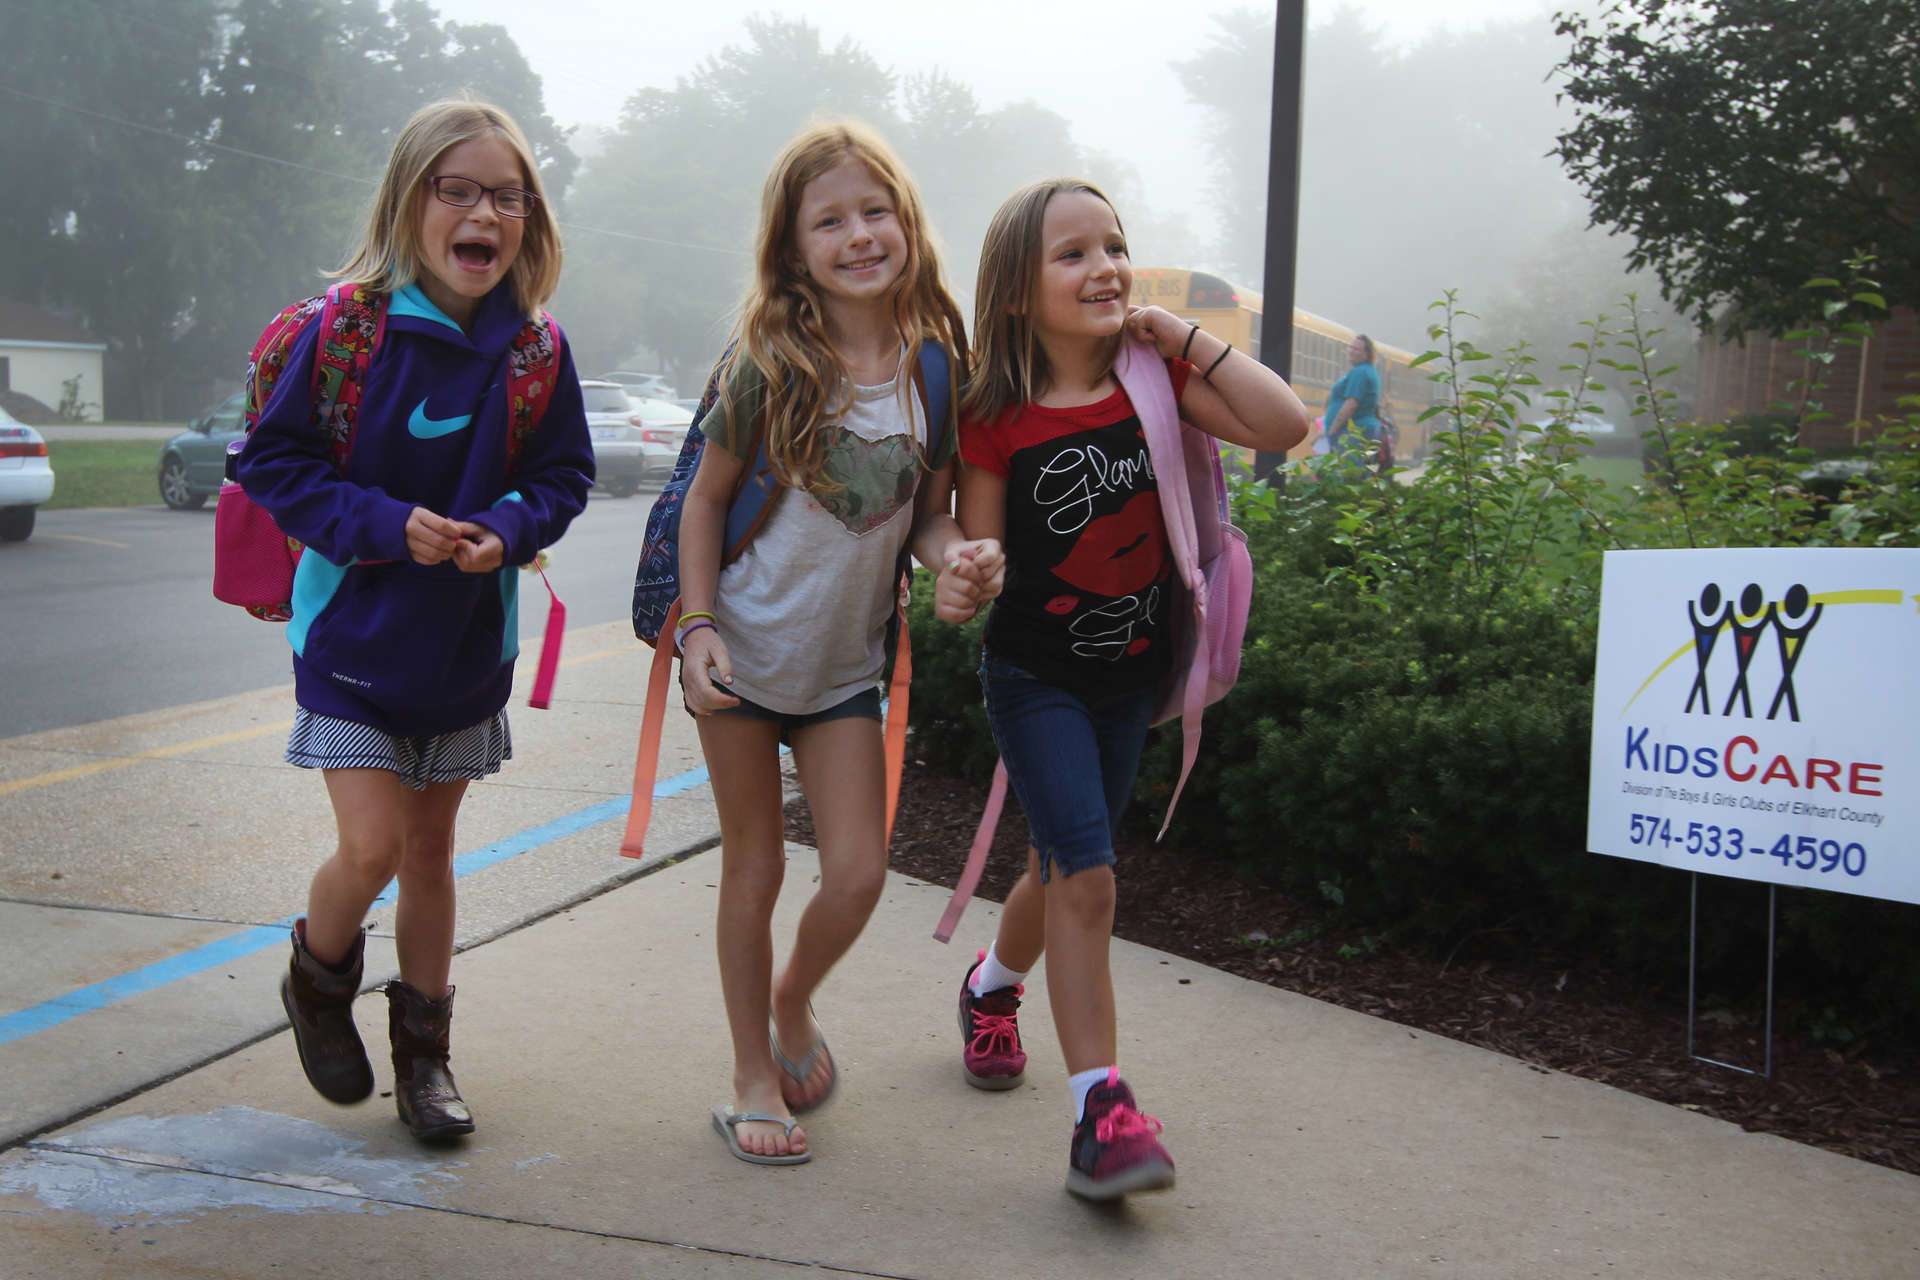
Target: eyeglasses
pixel 464 193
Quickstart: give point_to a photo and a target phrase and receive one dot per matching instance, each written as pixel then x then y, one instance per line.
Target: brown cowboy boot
pixel 423 1088
pixel 319 1003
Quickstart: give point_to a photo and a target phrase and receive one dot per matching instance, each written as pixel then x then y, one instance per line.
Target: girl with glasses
pixel 423 448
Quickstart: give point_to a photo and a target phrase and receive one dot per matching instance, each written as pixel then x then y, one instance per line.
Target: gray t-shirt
pixel 804 610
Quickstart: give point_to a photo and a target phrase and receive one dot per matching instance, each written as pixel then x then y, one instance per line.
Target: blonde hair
pixel 387 258
pixel 782 326
pixel 1010 365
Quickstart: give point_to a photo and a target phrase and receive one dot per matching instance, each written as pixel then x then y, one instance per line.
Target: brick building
pixel 1751 375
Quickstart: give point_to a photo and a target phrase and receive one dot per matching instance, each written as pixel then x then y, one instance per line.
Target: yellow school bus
pixel 1319 347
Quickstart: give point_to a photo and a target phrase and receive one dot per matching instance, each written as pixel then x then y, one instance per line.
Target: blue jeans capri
pixel 1072 761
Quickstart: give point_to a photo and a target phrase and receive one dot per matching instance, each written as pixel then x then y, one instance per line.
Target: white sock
pixel 991 975
pixel 1082 1083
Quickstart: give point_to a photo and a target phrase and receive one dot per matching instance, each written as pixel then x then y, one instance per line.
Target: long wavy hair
pixel 387 257
pixel 1010 365
pixel 782 324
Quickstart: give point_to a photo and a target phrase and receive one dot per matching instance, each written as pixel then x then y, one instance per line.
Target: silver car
pixel 635 440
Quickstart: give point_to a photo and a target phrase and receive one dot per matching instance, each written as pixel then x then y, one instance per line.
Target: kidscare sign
pixel 1756 714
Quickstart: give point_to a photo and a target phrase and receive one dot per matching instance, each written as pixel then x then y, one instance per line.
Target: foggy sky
pixel 1103 65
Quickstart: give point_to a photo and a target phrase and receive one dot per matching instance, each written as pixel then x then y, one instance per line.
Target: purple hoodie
pixel 411 648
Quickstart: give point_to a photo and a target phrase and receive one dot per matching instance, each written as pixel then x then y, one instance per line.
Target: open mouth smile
pixel 475 255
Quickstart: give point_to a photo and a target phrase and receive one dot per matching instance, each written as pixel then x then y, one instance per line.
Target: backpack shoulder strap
pixel 533 369
pixel 935 378
pixel 353 319
pixel 1143 375
pixel 758 487
pixel 269 355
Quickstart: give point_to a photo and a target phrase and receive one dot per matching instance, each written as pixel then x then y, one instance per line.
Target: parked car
pixel 663 430
pixel 619 462
pixel 194 463
pixel 26 477
pixel 634 440
pixel 652 385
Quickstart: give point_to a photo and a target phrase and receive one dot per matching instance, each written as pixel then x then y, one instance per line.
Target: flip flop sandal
pixel 799 1071
pixel 724 1120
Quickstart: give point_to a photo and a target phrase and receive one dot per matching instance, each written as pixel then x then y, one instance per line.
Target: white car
pixel 663 432
pixel 651 385
pixel 635 441
pixel 26 477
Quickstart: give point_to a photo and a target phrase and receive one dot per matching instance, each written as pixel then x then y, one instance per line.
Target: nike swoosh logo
pixel 421 427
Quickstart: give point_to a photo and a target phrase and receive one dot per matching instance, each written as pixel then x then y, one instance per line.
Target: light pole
pixel 1283 201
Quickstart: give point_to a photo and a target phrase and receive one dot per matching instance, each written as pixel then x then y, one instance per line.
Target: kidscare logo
pixel 1791 618
pixel 1734 665
pixel 1737 631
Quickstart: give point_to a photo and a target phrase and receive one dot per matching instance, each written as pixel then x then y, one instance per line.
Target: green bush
pixel 1409 738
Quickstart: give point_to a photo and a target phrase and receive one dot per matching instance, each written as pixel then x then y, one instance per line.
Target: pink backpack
pixel 1215 573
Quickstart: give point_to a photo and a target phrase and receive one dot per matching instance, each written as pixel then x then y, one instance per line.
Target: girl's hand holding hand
pixel 479 549
pixel 702 657
pixel 431 539
pixel 1165 330
pixel 955 598
pixel 976 571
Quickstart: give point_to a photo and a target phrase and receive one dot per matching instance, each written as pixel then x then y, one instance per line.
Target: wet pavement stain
pixel 170 1168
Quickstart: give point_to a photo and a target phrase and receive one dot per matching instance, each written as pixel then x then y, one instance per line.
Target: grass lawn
pixel 104 473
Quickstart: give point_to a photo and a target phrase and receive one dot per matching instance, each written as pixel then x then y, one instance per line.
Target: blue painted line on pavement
pixel 99 995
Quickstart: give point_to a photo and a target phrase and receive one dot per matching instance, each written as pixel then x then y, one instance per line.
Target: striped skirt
pixel 327 742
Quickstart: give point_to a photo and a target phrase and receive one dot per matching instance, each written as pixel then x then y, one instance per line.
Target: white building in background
pixel 40 353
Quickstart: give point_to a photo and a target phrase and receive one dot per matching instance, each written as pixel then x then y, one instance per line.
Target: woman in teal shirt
pixel 1354 402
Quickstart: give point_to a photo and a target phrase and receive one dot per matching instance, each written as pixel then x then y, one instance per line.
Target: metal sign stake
pixel 1693 978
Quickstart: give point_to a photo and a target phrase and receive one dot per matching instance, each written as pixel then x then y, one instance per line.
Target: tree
pixel 666 213
pixel 1232 78
pixel 180 169
pixel 1747 146
pixel 1422 169
pixel 97 127
pixel 1577 276
pixel 967 161
pixel 269 231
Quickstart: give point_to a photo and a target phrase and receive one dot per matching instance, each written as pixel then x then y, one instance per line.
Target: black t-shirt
pixel 1089 570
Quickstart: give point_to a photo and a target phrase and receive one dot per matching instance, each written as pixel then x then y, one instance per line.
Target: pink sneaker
pixel 1116 1149
pixel 990 1029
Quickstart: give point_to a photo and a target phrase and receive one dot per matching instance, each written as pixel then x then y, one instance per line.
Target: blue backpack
pixel 656 583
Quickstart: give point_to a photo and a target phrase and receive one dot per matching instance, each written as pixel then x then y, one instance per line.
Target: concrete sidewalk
pixel 1312 1141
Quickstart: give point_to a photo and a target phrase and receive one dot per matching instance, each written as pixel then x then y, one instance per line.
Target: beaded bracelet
pixel 1208 375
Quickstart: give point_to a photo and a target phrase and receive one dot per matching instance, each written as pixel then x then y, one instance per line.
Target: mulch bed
pixel 1553 1011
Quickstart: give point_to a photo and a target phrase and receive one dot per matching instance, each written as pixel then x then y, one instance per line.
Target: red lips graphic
pixel 1120 553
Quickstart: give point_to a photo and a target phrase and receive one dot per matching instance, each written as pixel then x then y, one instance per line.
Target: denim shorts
pixel 864 705
pixel 1072 761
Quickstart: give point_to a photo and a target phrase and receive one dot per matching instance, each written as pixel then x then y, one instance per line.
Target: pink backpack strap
pixel 976 856
pixel 1149 386
pixel 543 677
